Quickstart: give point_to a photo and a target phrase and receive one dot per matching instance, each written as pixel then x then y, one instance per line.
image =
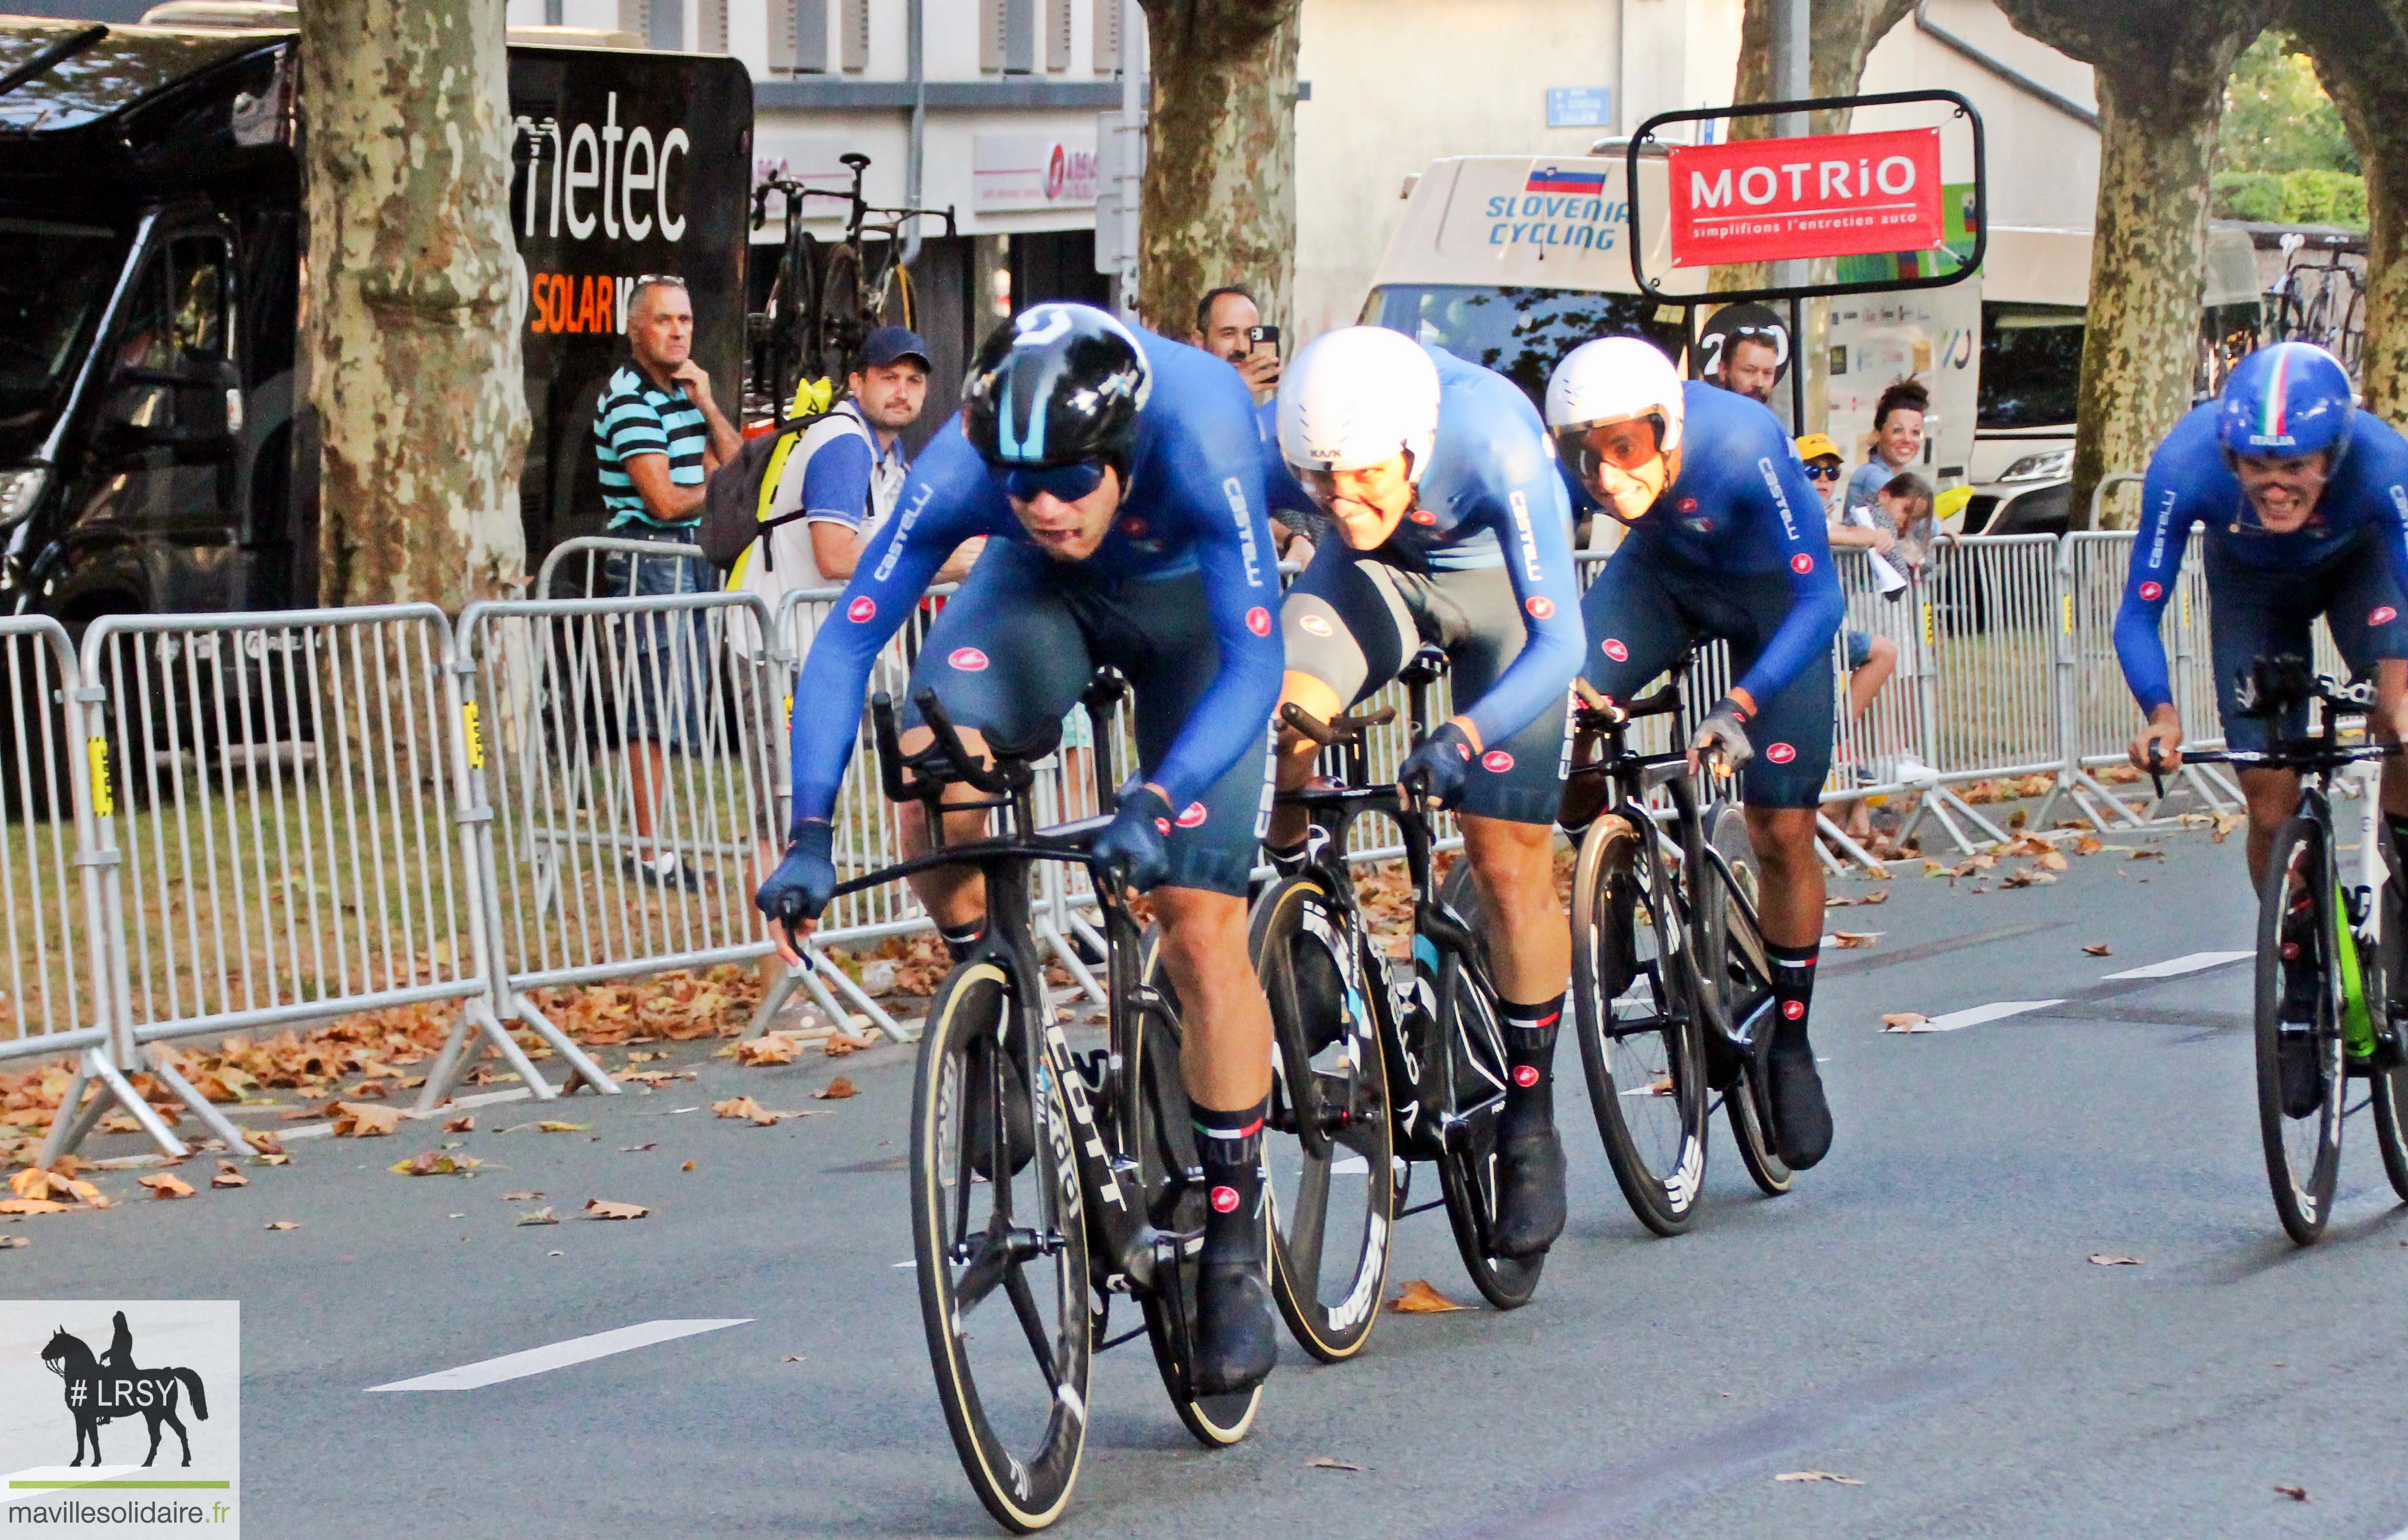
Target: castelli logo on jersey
pixel 2383 616
pixel 1258 620
pixel 1224 1200
pixel 1781 754
pixel 1793 1009
pixel 1194 816
pixel 1162 825
pixel 1134 527
pixel 1616 651
pixel 1498 761
pixel 1686 505
pixel 2151 591
pixel 1317 624
pixel 1423 515
pixel 1526 1075
pixel 1801 563
pixel 969 660
pixel 862 610
pixel 1539 606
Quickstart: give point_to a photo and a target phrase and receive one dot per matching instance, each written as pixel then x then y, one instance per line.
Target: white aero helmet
pixel 1355 397
pixel 1615 379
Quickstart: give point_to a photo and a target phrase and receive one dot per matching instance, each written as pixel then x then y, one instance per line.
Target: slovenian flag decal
pixel 1576 183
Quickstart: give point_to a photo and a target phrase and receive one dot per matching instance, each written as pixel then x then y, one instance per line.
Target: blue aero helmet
pixel 2287 400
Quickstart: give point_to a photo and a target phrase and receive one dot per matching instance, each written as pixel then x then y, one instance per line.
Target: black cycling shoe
pixel 1801 1119
pixel 1529 1191
pixel 2302 1078
pixel 978 1111
pixel 1235 1346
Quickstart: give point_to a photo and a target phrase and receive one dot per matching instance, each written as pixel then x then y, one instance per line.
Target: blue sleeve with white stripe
pixel 2185 475
pixel 1527 508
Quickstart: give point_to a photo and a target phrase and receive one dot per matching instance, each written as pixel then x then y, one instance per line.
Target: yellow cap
pixel 1815 445
pixel 1952 502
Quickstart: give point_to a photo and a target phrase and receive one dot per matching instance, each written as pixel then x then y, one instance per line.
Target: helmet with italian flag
pixel 2285 401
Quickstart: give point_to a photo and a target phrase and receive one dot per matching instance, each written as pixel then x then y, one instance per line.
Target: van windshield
pixel 52 293
pixel 1520 333
pixel 2031 365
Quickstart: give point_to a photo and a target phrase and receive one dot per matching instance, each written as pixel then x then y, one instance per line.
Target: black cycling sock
pixel 1530 1062
pixel 1793 982
pixel 958 943
pixel 1229 1147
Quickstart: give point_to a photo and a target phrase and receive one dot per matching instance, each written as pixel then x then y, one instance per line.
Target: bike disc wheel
pixel 1327 1148
pixel 1745 979
pixel 1171 1187
pixel 1633 1006
pixel 1002 1259
pixel 2302 1154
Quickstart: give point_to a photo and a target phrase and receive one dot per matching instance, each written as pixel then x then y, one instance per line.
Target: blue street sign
pixel 1579 107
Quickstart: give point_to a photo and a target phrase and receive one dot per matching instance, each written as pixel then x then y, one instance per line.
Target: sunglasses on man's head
pixel 1068 484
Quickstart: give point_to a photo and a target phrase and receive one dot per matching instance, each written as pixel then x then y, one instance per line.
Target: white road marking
pixel 559 1355
pixel 1997 1010
pixel 1350 1165
pixel 2191 962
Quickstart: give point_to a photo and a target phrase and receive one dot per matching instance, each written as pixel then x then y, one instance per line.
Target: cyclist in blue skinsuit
pixel 1726 541
pixel 1437 517
pixel 2304 501
pixel 1120 478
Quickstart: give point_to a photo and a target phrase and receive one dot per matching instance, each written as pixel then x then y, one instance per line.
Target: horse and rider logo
pixel 110 1387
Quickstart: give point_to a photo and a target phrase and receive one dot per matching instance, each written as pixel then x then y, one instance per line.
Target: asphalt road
pixel 1919 1315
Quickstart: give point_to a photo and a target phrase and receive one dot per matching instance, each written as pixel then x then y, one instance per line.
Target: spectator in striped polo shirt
pixel 658 434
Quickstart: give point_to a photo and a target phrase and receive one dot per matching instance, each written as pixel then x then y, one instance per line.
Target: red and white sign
pixel 1827 195
pixel 1033 171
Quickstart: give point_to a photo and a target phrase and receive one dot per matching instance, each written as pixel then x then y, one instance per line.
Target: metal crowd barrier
pixel 222 822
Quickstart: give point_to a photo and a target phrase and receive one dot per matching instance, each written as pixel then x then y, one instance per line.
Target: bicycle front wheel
pixel 2300 1070
pixel 1469 1042
pixel 1001 1246
pixel 1633 1003
pixel 1327 1148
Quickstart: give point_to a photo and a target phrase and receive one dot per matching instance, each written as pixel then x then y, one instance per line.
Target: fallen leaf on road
pixel 2297 1494
pixel 1856 941
pixel 1419 1297
pixel 461 1125
pixel 1818 1476
pixel 164 1185
pixel 841 1043
pixel 688 1166
pixel 10 1243
pixel 1661 1087
pixel 1904 1021
pixel 596 1209
pixel 638 1149
pixel 2147 855
pixel 768 1048
pixel 266 1143
pixel 229 1175
pixel 1936 869
pixel 2098 949
pixel 837 1089
pixel 2104 1259
pixel 361 1120
pixel 794 1358
pixel 278 1159
pixel 744 1106
pixel 553 1125
pixel 436 1163
pixel 2052 861
pixel 2225 824
pixel 283 1224
pixel 1323 1462
pixel 2028 877
pixel 32 1206
pixel 520 1197
pixel 2089 845
pixel 644 1057
pixel 538 1216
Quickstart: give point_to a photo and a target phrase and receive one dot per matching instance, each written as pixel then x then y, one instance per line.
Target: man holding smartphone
pixel 1229 325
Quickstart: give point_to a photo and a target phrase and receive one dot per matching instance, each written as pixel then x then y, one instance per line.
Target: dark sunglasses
pixel 1071 483
pixel 1822 473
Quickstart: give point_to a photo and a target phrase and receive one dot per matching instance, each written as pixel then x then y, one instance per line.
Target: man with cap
pixel 844 476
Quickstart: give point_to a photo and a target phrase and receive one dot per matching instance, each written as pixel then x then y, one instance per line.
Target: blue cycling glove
pixel 805 879
pixel 1441 766
pixel 1138 844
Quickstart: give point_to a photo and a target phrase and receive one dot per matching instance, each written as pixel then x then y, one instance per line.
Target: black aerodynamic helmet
pixel 1056 385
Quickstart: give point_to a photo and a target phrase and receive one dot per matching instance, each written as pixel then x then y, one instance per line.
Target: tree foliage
pixel 2277 117
pixel 2360 49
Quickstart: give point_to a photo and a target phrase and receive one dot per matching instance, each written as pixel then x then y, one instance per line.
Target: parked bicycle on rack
pixel 1380 1062
pixel 2328 962
pixel 828 297
pixel 1044 1180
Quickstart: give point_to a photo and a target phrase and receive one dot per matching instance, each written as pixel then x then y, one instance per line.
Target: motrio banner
pixel 1829 195
pixel 1907 194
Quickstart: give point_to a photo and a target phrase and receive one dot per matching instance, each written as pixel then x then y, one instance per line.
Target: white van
pixel 1511 261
